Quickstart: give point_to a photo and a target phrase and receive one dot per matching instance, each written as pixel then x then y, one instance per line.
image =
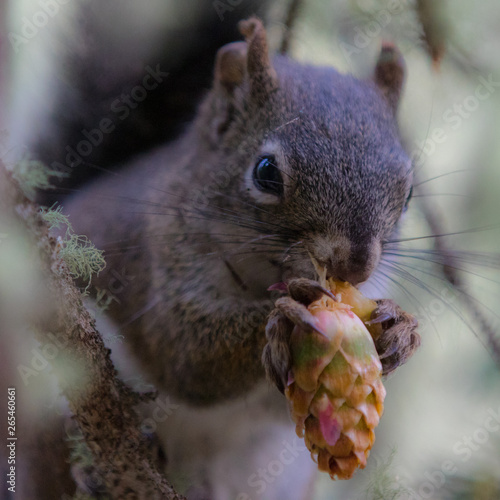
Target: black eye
pixel 266 176
pixel 407 202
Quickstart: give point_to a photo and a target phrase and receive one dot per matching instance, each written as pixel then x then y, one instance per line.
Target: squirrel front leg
pixel 206 350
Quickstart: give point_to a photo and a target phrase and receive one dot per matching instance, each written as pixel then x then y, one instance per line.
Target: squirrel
pixel 283 161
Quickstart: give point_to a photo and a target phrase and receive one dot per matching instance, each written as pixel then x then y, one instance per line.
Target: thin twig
pixel 452 275
pixel 291 19
pixel 434 29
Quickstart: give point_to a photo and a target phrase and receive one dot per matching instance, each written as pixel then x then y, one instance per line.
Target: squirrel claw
pixel 380 318
pixel 280 287
pixel 305 291
pixel 298 314
pixel 276 356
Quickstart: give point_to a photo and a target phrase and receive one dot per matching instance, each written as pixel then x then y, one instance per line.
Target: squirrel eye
pixel 407 202
pixel 266 175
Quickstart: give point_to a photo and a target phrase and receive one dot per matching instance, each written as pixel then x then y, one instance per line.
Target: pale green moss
pixel 383 483
pixel 78 252
pixel 82 257
pixel 33 175
pixel 55 218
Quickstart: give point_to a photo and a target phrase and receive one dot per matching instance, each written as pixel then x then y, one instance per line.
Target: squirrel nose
pixel 354 274
pixel 360 264
pixel 354 266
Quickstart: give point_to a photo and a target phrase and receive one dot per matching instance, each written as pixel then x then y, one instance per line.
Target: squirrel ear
pixel 263 78
pixel 390 73
pixel 230 65
pixel 249 60
pixel 243 75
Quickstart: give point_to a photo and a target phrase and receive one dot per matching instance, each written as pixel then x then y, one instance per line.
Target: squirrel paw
pixel 396 344
pixel 290 311
pixel 399 338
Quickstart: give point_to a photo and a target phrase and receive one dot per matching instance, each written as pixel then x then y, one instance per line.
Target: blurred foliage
pixel 479 488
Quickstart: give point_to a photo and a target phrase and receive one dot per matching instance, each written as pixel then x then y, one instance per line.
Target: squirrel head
pixel 313 156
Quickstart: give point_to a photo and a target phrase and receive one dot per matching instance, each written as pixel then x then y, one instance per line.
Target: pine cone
pixel 335 389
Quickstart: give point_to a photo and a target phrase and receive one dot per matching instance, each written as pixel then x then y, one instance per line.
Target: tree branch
pixel 102 405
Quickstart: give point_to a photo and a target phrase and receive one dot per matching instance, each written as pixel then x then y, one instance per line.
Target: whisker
pixel 465 231
pixel 408 276
pixel 442 278
pixel 442 175
pixel 412 297
pixel 462 269
pixel 430 195
pixel 388 265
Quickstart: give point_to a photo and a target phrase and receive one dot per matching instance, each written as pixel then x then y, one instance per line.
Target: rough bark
pixel 102 405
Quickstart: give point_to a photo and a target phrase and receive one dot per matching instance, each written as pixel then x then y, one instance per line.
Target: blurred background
pixel 440 435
